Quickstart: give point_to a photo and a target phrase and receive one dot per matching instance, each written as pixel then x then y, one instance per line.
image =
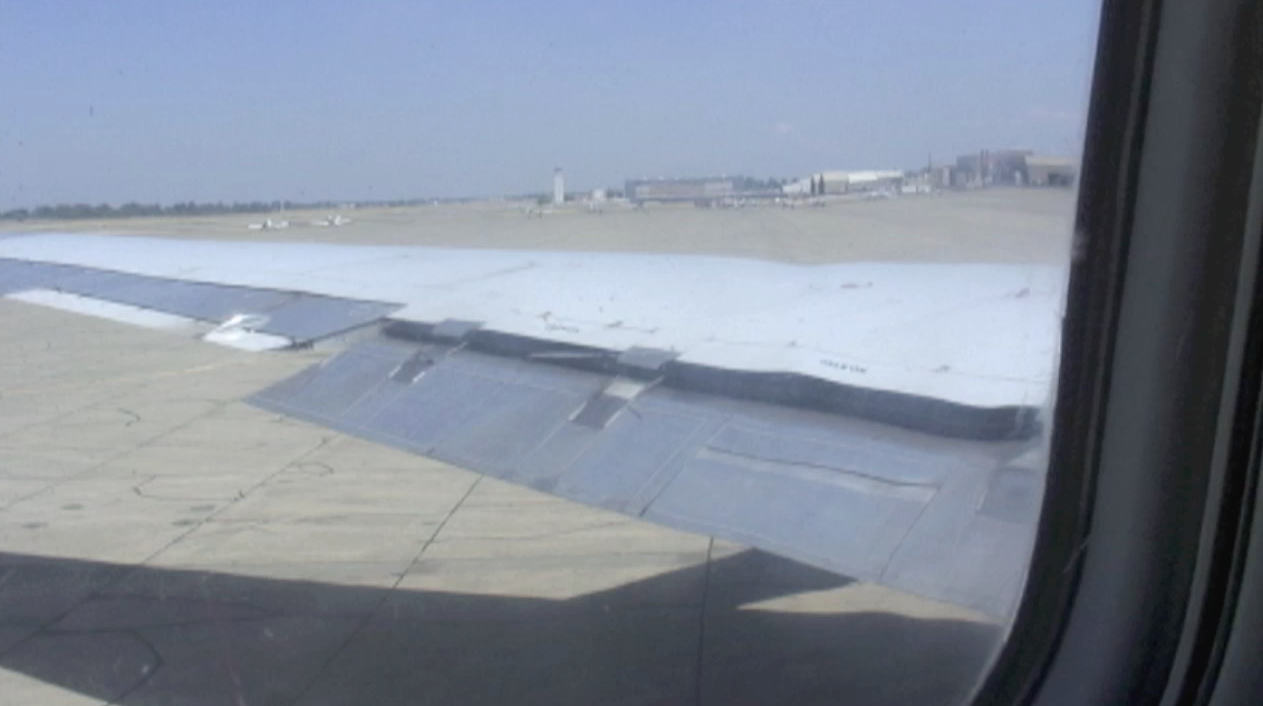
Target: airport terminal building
pixel 682 189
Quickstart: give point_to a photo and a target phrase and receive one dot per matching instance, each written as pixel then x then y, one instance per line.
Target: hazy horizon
pixel 165 102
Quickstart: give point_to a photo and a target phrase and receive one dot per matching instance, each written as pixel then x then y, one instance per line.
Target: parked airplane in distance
pixel 334 220
pixel 269 224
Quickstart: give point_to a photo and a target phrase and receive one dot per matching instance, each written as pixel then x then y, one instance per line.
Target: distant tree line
pixel 132 209
pixel 72 211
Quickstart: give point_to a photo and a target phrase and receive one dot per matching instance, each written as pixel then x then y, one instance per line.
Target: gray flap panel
pixel 875 502
pixel 884 462
pixel 308 318
pixel 19 275
pixel 841 526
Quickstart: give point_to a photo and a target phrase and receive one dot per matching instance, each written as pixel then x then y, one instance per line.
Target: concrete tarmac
pixel 162 542
pixel 993 225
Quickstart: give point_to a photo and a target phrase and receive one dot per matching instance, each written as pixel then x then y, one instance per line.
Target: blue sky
pixel 173 100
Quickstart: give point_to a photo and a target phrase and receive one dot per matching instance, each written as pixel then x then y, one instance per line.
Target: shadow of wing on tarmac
pixel 142 636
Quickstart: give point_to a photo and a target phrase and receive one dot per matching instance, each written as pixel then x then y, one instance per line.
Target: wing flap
pixel 260 319
pixel 862 499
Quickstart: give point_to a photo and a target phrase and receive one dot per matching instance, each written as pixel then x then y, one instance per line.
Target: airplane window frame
pixel 1127 595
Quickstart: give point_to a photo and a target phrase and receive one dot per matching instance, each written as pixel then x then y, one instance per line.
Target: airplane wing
pixel 876 419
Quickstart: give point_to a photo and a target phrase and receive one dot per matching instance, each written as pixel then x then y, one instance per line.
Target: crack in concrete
pixel 95 403
pixel 132 416
pixel 148 674
pixel 143 444
pixel 543 535
pixel 701 623
pixel 139 491
pixel 322 469
pixel 261 613
pixel 368 615
pixel 45 627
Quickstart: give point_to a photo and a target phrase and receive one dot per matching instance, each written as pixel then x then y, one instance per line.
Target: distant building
pixel 832 182
pixel 683 189
pixel 875 180
pixel 1043 170
pixel 991 167
pixel 559 186
pixel 799 187
pixel 1006 166
pixel 941 177
pixel 1018 167
pixel 852 182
